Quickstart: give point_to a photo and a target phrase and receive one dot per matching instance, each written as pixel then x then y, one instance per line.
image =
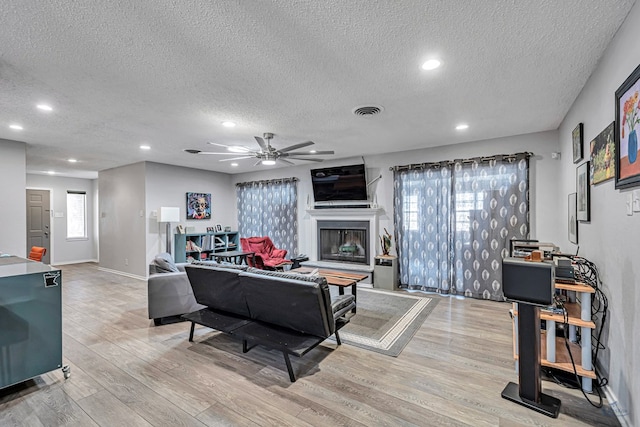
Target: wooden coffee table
pixel 337 278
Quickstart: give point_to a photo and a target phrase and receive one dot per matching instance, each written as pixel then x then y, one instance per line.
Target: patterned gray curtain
pixel 270 208
pixel 454 221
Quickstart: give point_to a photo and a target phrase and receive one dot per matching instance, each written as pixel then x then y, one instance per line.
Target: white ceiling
pixel 120 73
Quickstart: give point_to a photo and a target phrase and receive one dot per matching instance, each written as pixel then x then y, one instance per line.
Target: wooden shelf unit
pixel 553 351
pixel 226 241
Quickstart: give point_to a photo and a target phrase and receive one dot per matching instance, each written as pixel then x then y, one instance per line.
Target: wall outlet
pixel 126 261
pixel 636 200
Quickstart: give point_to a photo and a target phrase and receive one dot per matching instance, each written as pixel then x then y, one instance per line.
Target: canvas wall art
pixel 198 206
pixel 626 137
pixel 573 219
pixel 576 138
pixel 583 187
pixel 603 149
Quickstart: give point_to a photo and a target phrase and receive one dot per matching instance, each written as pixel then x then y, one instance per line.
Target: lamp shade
pixel 166 214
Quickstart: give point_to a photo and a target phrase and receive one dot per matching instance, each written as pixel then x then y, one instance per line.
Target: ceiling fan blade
pixel 257 163
pixel 236 158
pixel 305 153
pixel 285 161
pixel 233 148
pixel 309 160
pixel 296 146
pixel 261 143
pixel 222 154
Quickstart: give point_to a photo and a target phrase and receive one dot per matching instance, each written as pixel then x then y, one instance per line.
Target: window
pixel 270 208
pixel 76 215
pixel 455 219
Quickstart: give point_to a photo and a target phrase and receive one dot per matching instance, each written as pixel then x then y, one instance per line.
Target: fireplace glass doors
pixel 343 241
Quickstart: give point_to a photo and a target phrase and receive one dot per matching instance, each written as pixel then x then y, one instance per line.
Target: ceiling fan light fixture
pixel 268 162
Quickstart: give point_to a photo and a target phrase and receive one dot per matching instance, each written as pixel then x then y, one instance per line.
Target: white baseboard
pixel 122 273
pixel 621 414
pixel 81 261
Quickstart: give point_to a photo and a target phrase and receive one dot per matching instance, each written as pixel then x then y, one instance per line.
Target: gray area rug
pixel 386 321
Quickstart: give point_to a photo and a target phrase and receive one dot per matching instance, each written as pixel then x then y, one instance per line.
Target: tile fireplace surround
pixel 348 215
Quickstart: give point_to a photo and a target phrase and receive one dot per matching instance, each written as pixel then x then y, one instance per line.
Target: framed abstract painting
pixel 626 137
pixel 198 205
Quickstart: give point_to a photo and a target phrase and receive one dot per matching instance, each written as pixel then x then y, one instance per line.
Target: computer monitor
pixel 528 282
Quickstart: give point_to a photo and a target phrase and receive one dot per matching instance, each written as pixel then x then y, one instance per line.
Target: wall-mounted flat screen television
pixel 339 183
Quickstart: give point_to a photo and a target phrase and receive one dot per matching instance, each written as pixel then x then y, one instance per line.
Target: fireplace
pixel 338 227
pixel 343 241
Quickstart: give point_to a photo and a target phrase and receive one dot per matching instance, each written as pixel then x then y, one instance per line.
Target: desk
pixel 236 257
pixel 337 278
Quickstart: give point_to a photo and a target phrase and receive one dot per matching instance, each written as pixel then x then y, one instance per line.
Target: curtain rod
pixel 267 181
pixel 437 165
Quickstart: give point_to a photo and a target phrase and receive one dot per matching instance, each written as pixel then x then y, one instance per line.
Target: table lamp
pixel 168 215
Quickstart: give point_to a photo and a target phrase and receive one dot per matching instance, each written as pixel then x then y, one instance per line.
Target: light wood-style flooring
pixel 127 372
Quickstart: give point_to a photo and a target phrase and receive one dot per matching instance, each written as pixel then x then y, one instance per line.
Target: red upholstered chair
pixel 37 253
pixel 266 256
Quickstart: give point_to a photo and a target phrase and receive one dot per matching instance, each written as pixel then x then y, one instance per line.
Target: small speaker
pixel 528 282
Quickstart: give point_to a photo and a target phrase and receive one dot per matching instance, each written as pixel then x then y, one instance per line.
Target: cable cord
pixel 587 272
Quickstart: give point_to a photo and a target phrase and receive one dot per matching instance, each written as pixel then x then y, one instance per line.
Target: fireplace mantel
pixel 346 214
pixel 342 212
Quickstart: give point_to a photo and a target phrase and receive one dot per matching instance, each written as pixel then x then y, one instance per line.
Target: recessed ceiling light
pixel 312 151
pixel 462 126
pixel 268 162
pixel 51 172
pixel 431 64
pixel 16 127
pixel 44 107
pixel 234 164
pixel 228 124
pixel 145 147
pixel 73 160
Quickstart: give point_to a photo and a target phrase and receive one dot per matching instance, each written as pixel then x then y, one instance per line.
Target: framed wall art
pixel 198 205
pixel 583 211
pixel 573 219
pixel 603 150
pixel 626 137
pixel 576 138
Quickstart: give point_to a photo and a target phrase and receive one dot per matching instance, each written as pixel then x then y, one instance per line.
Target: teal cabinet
pixel 200 246
pixel 30 319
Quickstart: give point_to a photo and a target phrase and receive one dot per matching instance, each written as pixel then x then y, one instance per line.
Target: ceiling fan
pixel 267 155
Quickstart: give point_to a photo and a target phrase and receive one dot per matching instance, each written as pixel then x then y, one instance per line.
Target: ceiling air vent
pixel 368 110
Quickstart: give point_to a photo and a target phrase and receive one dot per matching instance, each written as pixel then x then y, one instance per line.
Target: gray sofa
pixel 169 293
pixel 283 311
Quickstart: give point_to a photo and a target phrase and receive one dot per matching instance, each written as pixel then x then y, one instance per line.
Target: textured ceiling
pixel 120 73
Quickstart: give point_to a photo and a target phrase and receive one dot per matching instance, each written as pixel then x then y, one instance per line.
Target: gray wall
pixel 122 219
pixel 546 217
pixel 65 251
pixel 612 238
pixel 13 209
pixel 167 186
